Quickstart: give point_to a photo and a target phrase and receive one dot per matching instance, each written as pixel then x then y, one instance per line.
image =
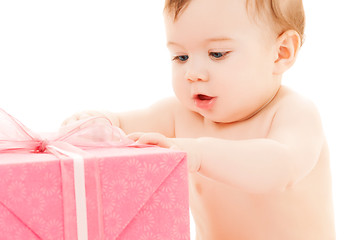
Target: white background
pixel 59 57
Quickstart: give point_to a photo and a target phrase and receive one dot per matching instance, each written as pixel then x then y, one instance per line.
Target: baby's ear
pixel 287 47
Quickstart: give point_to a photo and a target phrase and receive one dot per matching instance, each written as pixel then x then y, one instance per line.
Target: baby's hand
pixel 87 114
pixel 152 139
pixel 184 144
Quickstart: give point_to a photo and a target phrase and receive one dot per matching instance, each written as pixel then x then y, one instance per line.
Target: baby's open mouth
pixel 203 97
pixel 204 101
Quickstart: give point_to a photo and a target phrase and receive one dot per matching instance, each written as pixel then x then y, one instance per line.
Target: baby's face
pixel 222 60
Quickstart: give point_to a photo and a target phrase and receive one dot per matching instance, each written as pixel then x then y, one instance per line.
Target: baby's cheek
pixel 180 87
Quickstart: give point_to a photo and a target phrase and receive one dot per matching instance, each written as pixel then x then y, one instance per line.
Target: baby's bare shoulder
pixel 178 109
pixel 167 106
pixel 293 104
pixel 295 114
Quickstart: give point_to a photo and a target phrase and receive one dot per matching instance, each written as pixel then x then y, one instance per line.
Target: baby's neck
pixel 261 108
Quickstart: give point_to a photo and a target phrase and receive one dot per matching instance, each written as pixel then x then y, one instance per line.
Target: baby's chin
pixel 217 118
pixel 225 117
pixel 213 115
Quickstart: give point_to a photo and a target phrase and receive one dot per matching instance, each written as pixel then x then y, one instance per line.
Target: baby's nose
pixel 194 75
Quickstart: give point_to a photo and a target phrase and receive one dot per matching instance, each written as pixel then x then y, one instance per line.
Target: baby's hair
pixel 285 14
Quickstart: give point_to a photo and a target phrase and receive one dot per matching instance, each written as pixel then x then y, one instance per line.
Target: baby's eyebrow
pixel 219 39
pixel 173 43
pixel 208 40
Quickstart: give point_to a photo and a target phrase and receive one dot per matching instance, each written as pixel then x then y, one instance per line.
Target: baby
pixel 257 155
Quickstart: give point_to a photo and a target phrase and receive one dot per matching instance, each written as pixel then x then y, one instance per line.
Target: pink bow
pixel 96 132
pixel 91 133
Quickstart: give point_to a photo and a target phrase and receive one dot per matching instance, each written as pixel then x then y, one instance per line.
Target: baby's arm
pixel 286 155
pixel 159 118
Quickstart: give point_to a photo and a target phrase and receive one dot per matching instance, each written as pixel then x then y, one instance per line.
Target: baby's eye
pixel 181 58
pixel 218 55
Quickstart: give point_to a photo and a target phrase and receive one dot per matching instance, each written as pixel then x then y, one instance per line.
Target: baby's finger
pixel 68 121
pixel 154 139
pixel 135 136
pixel 76 117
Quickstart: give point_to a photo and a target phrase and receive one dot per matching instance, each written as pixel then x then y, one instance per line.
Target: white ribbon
pixel 80 195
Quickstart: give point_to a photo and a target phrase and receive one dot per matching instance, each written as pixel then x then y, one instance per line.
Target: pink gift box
pixel 131 193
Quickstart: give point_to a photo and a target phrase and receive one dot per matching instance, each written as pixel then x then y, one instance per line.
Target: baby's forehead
pixel 174 8
pixel 228 11
pixel 267 12
pixel 197 24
